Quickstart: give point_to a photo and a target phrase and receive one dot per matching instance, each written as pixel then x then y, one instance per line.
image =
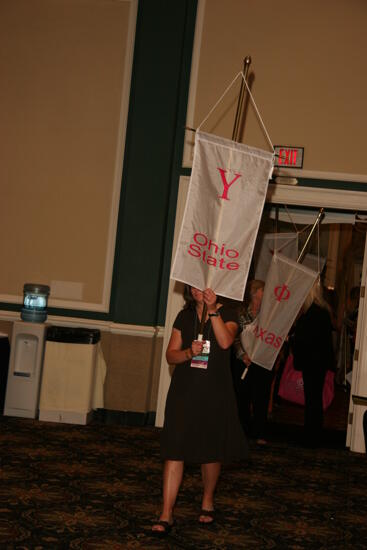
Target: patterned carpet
pixel 98 487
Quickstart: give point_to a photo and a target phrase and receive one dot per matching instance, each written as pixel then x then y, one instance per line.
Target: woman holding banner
pixel 201 421
pixel 313 355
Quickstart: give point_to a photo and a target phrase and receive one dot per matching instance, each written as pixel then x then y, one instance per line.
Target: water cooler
pixel 26 354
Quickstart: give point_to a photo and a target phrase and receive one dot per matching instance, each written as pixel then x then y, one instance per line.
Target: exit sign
pixel 288 157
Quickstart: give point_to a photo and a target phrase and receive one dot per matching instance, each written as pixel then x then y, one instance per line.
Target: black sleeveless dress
pixel 201 418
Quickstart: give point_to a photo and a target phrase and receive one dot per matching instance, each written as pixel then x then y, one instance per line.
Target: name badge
pixel 201 361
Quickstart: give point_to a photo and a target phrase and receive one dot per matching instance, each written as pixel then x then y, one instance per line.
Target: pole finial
pixel 247 60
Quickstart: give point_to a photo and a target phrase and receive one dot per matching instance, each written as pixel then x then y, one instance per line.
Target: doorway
pixel 336 250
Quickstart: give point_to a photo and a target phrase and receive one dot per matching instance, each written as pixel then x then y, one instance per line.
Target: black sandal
pixel 162 532
pixel 208 514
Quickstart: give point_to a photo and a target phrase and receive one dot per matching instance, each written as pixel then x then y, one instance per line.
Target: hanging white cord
pixel 253 102
pixel 219 100
pixel 276 229
pixel 257 112
pixel 305 229
pixel 299 232
pixel 291 219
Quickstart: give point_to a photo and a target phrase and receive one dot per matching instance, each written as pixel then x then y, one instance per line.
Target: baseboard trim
pixel 66 417
pixel 124 418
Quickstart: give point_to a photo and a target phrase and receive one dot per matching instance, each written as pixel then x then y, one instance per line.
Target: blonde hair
pixel 316 296
pixel 253 286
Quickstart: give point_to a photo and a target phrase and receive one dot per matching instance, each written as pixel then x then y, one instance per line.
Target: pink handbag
pixel 328 390
pixel 291 385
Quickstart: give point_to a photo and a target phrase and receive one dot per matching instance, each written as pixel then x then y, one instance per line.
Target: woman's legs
pixel 261 384
pixel 313 383
pixel 210 473
pixel 172 478
pixel 242 391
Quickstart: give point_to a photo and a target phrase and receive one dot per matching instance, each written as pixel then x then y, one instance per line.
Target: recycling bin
pixel 68 375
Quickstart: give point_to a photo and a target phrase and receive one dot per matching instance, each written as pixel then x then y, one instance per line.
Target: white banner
pixel 283 243
pixel 286 288
pixel 224 205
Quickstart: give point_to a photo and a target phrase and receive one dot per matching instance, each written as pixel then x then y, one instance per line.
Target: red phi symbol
pixel 282 293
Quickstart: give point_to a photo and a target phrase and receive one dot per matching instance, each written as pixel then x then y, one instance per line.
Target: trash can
pixel 68 375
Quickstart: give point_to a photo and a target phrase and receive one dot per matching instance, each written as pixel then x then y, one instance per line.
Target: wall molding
pixel 103 326
pixel 119 161
pixel 318 197
pixel 314 174
pixel 100 301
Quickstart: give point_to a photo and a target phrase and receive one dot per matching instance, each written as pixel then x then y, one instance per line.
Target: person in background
pixel 313 355
pixel 201 422
pixel 350 321
pixel 252 388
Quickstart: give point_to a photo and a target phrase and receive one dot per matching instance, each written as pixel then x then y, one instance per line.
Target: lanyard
pixel 196 328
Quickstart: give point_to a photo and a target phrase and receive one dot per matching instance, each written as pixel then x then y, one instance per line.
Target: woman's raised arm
pixel 225 333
